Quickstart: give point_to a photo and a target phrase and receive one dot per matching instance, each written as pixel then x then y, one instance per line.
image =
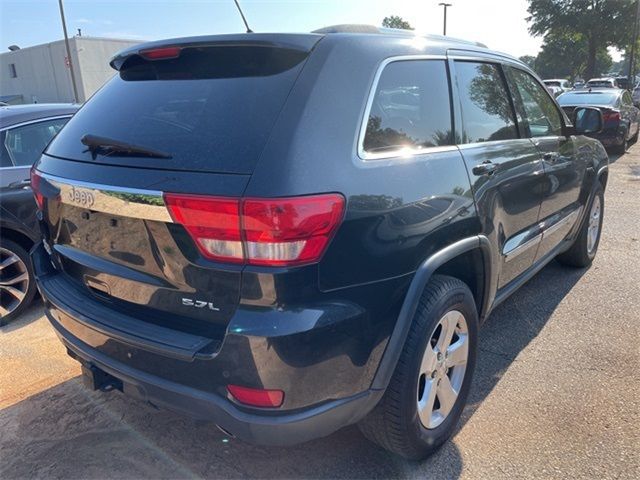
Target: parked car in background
pixel 554 90
pixel 623 82
pixel 602 83
pixel 228 244
pixel 620 116
pixel 25 130
pixel 561 83
pixel 636 95
pixel 579 84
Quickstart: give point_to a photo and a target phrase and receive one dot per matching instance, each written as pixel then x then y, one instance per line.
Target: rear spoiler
pixel 301 42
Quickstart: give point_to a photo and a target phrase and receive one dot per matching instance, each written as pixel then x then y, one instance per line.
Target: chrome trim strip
pixel 405 152
pixel 510 255
pixel 569 218
pixel 119 201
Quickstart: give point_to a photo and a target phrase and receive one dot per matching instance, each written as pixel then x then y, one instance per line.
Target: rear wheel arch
pixel 18 237
pixel 447 261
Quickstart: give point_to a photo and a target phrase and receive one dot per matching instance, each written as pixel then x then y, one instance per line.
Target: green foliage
pixel 566 56
pixel 590 25
pixel 394 21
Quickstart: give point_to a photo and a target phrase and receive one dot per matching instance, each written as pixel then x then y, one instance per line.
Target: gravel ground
pixel 555 393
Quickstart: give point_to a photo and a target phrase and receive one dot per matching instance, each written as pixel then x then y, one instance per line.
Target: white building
pixel 40 74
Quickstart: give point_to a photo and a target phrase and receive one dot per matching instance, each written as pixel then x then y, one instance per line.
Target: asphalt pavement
pixel 555 394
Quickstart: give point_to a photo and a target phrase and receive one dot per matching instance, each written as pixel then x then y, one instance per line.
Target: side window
pixel 486 110
pixel 410 108
pixel 26 143
pixel 542 116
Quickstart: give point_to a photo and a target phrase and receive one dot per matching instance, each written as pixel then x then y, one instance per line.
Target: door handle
pixel 551 157
pixel 20 184
pixel 485 168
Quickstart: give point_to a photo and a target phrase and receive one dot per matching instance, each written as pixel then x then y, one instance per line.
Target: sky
pixel 500 24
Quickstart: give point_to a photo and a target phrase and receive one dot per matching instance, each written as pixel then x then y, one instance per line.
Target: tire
pixel 395 423
pixel 17 282
pixel 623 147
pixel 584 248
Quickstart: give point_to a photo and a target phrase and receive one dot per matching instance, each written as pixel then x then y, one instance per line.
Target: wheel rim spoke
pixel 24 276
pixel 446 395
pixel 448 322
pixel 10 260
pixel 425 405
pixel 458 352
pixel 17 294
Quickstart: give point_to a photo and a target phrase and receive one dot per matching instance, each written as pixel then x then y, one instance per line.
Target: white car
pixel 602 83
pixel 562 83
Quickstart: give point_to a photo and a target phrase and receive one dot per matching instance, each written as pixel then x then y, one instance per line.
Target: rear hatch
pixel 180 118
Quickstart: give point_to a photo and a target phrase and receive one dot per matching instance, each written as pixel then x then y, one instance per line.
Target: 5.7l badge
pixel 188 302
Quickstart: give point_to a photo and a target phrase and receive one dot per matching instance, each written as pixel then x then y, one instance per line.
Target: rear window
pixel 595 98
pixel 210 109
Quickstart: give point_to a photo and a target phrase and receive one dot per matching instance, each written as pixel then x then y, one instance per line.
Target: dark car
pixel 290 233
pixel 621 117
pixel 24 132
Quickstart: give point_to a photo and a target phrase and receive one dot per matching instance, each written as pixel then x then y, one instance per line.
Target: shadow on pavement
pixel 31 314
pixel 67 431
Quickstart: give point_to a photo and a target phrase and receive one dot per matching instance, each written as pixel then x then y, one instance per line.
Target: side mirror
pixel 587 120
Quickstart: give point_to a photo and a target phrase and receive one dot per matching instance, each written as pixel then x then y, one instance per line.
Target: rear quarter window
pixel 409 110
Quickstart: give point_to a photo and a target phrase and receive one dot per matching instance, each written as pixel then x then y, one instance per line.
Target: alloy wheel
pixel 594 225
pixel 14 281
pixel 442 370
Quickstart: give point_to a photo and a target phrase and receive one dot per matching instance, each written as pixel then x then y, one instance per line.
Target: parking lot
pixel 555 395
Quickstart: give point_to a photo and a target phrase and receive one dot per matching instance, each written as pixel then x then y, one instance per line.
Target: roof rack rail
pixel 364 28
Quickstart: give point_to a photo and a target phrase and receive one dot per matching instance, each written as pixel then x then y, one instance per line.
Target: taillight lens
pixel 256 397
pixel 289 231
pixel 212 222
pixel 35 186
pixel 271 232
pixel 611 116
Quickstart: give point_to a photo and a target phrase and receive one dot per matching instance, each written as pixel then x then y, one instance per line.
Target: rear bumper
pixel 267 429
pixel 163 374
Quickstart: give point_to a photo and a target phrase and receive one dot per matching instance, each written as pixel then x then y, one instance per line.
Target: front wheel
pixel 585 246
pixel 429 387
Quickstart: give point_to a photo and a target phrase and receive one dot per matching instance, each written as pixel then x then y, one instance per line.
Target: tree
pixel 529 60
pixel 599 23
pixel 565 56
pixel 394 21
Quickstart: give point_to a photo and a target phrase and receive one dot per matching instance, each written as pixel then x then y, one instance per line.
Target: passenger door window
pixel 26 143
pixel 486 109
pixel 410 109
pixel 542 116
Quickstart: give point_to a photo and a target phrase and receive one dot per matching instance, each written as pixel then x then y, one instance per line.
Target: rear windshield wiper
pixel 98 144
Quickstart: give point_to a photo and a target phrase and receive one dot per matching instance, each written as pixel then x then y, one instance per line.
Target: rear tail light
pixel 35 186
pixel 611 116
pixel 256 397
pixel 271 232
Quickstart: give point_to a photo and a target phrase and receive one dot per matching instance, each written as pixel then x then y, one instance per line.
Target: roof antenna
pixel 242 15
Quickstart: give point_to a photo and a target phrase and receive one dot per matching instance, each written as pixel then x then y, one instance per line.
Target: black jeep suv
pixel 289 233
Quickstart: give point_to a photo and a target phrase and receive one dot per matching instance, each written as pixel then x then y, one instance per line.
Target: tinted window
pixel 410 107
pixel 210 109
pixel 486 110
pixel 25 144
pixel 541 114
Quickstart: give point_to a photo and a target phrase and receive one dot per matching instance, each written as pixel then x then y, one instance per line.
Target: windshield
pixel 593 98
pixel 211 109
pixel 552 84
